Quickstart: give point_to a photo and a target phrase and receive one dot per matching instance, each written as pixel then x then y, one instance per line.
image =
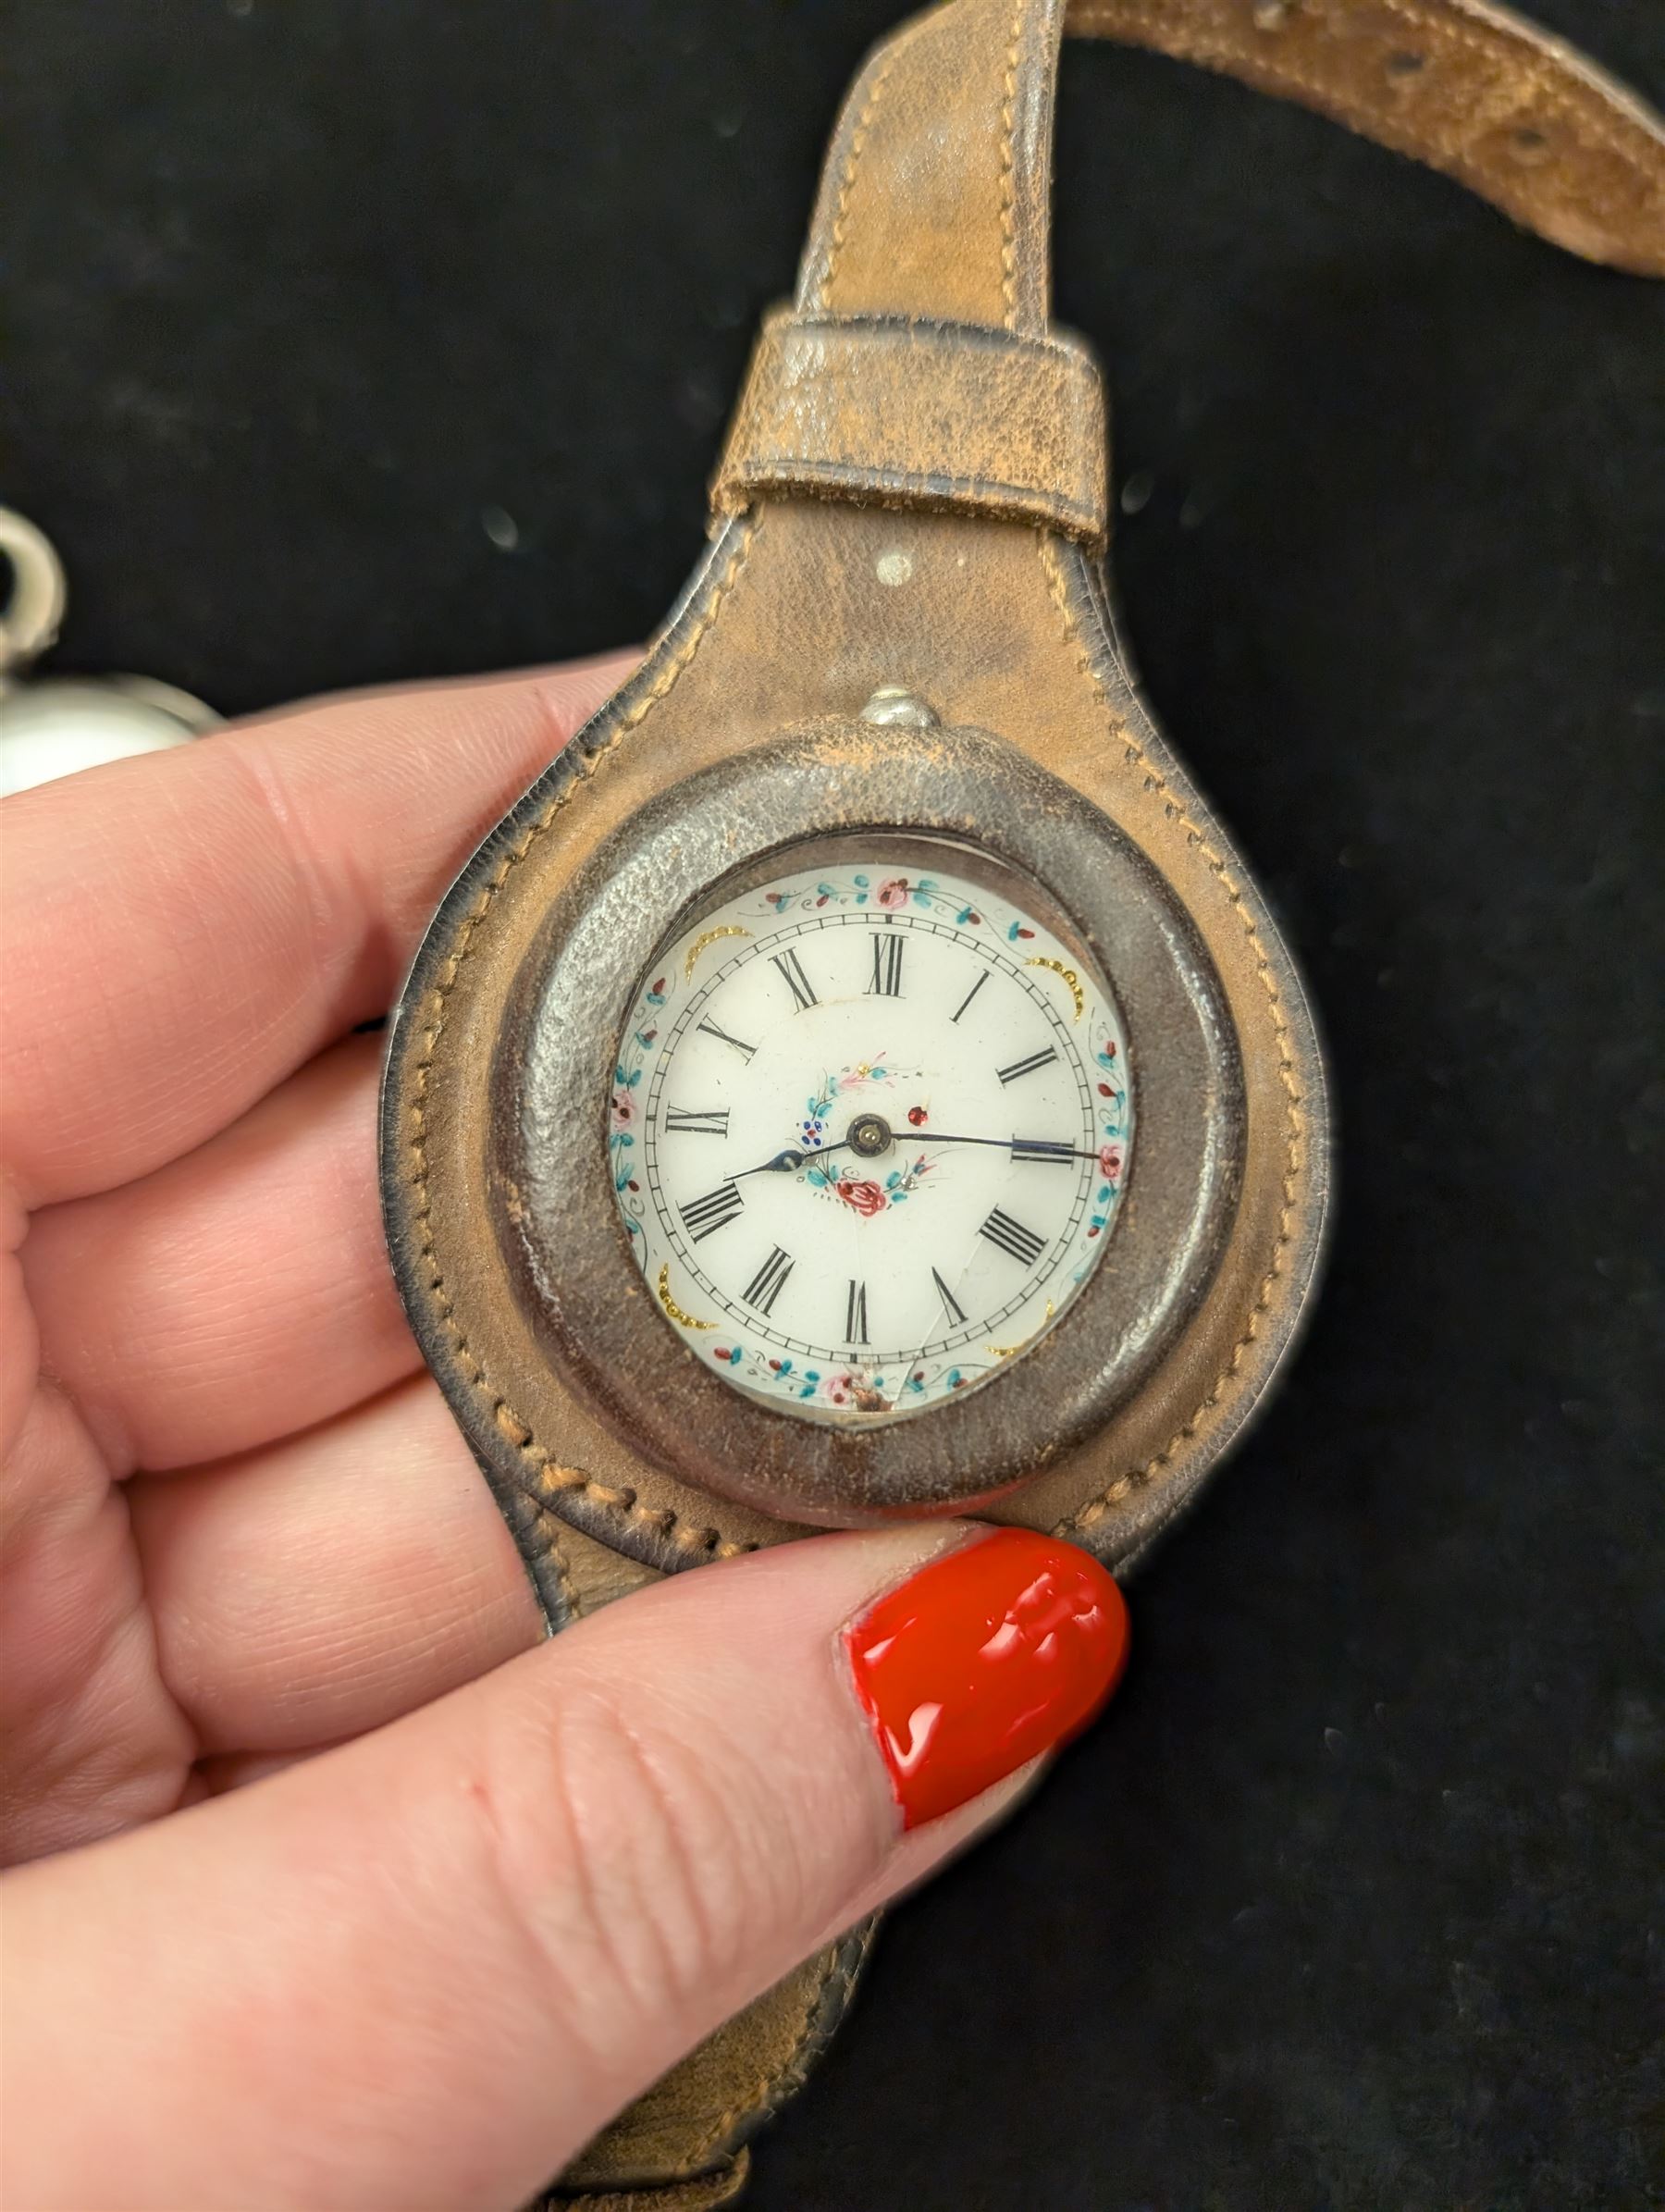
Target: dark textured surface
pixel 1354 1902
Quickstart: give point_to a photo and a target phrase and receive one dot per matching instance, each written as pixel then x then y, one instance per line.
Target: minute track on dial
pixel 789 1098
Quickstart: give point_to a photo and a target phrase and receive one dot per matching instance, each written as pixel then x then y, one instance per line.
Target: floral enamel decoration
pixel 865 1194
pixel 838 1227
pixel 866 1075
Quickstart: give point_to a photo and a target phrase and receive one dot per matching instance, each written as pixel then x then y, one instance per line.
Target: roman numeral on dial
pixel 951 1305
pixel 856 1321
pixel 766 1285
pixel 709 1029
pixel 1017 1067
pixel 1012 1237
pixel 705 1121
pixel 1041 1148
pixel 704 1217
pixel 798 983
pixel 970 995
pixel 888 947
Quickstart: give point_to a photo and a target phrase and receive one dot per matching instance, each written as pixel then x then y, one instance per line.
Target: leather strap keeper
pixel 893 411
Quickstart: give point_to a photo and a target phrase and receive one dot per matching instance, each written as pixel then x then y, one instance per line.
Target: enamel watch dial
pixel 869 1127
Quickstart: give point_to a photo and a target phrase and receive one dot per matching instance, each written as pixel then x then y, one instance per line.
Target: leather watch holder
pixel 914 495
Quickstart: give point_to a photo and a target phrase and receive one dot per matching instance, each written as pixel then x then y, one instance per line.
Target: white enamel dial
pixel 870 1128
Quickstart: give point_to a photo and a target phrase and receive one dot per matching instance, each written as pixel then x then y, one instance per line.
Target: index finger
pixel 184 929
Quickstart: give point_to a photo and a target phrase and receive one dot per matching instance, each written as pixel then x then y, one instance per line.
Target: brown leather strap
pixel 1523 118
pixel 689 2133
pixel 932 225
pixel 704 2192
pixel 936 195
pixel 681 2148
pixel 918 366
pixel 930 414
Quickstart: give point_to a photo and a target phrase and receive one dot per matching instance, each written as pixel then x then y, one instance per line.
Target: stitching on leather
pixel 563 1572
pixel 1542 72
pixel 1580 103
pixel 692 2190
pixel 766 2080
pixel 858 139
pixel 1008 164
pixel 543 1477
pixel 1135 756
pixel 778 435
pixel 549 1529
pixel 1214 51
pixel 1058 509
pixel 1570 96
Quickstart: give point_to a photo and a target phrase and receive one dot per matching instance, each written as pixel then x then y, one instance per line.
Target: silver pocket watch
pixel 52 726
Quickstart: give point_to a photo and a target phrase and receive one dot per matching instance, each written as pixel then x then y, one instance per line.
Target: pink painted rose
pixel 895 893
pixel 1110 1160
pixel 623 1112
pixel 866 1197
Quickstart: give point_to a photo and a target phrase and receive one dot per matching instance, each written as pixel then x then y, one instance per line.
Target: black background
pixel 1354 1899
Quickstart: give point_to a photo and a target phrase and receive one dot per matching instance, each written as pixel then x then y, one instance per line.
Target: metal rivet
pixel 894 567
pixel 894 704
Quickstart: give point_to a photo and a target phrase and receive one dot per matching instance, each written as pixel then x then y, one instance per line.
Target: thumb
pixel 423 1969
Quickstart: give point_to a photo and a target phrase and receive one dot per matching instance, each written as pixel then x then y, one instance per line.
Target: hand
pixel 789 1162
pixel 394 1904
pixel 1041 1148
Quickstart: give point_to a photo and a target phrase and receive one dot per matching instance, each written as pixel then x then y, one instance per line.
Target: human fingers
pixel 330 1584
pixel 237 1294
pixel 184 929
pixel 423 1969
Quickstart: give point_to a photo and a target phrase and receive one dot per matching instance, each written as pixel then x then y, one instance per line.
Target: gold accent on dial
pixel 669 1305
pixel 729 929
pixel 1069 976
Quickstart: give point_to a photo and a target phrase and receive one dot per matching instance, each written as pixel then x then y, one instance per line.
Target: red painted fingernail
pixel 983 1661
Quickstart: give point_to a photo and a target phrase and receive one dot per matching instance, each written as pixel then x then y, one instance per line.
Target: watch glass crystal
pixel 871 1124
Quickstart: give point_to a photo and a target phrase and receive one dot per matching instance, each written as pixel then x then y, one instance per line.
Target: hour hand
pixel 789 1161
pixel 782 1164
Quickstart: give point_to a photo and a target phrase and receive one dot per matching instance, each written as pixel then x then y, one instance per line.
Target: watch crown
pixel 894 703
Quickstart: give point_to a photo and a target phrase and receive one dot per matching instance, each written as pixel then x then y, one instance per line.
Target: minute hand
pixel 1035 1148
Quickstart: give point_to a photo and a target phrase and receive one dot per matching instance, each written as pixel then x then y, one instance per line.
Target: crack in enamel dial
pixel 869 1129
